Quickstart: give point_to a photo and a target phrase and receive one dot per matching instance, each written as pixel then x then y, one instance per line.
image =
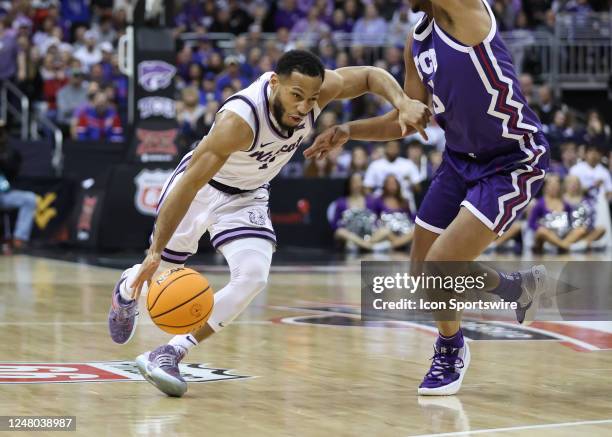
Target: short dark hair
pixel 302 61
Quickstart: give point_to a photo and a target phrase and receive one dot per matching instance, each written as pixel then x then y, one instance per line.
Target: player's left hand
pixel 413 113
pixel 328 140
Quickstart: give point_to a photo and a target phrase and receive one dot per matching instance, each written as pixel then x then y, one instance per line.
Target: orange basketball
pixel 180 301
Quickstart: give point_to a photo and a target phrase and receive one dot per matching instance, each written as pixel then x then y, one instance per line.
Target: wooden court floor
pixel 297 363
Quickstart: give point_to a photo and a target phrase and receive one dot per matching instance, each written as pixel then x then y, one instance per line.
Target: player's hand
pixel 145 274
pixel 413 113
pixel 327 141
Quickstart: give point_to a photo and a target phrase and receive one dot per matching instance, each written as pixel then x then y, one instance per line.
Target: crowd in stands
pixel 63 55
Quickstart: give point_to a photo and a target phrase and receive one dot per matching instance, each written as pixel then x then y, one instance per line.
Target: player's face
pixel 293 97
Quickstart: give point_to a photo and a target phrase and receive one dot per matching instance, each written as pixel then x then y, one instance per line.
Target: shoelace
pixel 166 360
pixel 123 314
pixel 442 364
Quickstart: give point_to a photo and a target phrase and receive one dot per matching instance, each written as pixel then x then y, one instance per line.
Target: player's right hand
pixel 147 269
pixel 415 114
pixel 328 140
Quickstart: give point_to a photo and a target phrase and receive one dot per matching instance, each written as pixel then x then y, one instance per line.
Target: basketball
pixel 180 301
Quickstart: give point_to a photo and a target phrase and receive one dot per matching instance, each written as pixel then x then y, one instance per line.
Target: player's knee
pixel 251 276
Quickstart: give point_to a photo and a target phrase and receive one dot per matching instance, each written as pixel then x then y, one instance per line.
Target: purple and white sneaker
pixel 447 370
pixel 160 368
pixel 534 284
pixel 122 317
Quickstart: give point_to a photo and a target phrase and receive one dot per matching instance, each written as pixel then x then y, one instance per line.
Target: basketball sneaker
pixel 160 368
pixel 122 317
pixel 448 367
pixel 533 285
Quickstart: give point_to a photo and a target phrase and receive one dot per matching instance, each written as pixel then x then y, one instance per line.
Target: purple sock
pixel 454 341
pixel 509 287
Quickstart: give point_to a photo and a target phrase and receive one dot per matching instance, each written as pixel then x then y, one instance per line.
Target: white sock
pixel 182 343
pixel 124 289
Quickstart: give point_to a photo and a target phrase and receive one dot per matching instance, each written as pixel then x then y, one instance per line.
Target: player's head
pixel 295 85
pixel 420 5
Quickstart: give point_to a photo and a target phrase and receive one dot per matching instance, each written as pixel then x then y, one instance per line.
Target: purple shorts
pixel 494 189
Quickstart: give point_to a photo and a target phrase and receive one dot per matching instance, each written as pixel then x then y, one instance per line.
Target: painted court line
pixel 517 428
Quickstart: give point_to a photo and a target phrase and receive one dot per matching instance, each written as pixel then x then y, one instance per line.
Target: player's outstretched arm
pixel 351 82
pixel 229 134
pixel 383 128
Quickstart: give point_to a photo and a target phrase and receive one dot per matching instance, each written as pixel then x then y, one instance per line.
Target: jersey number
pixel 437 103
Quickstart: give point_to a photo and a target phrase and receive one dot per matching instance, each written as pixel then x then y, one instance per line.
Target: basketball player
pixel 494 163
pixel 222 186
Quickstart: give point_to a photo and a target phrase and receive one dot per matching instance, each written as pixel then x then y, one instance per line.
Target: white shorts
pixel 227 217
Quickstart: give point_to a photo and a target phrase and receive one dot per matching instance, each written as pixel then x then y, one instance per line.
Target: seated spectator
pixel 415 155
pixel 287 14
pixel 107 61
pixel 232 73
pixel 359 160
pixel 206 121
pixel 396 221
pixel 546 107
pixel 24 201
pixel 90 54
pixel 592 174
pixel 54 78
pixel 208 91
pixel 561 130
pixel 99 121
pixel 371 29
pixel 352 13
pixel 583 213
pixel 569 157
pixel 597 132
pixel 71 96
pixel 392 163
pixel 352 217
pixel 8 52
pixel 401 25
pixel 550 218
pixel 188 112
pixel 309 30
pixel 104 31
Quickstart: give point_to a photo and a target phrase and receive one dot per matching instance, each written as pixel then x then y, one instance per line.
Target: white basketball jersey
pixel 271 149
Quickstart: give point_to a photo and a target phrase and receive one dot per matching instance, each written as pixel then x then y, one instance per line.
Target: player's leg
pixel 123 312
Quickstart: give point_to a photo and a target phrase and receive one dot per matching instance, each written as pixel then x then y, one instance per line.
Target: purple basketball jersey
pixel 476 95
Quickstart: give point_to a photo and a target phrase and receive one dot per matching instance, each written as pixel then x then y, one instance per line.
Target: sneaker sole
pixel 160 379
pixel 453 387
pixel 541 287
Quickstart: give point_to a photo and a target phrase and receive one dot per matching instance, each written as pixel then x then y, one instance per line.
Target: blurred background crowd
pixel 63 55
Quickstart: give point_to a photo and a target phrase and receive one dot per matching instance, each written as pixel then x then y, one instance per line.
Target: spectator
pixel 24 201
pixel 351 13
pixel 8 52
pixel 550 218
pixel 193 12
pixel 418 158
pixel 90 54
pixel 561 130
pixel 240 18
pixel 583 213
pixel 526 81
pixel 208 91
pixel 309 30
pixel 75 12
pixel 99 121
pixel 569 157
pixel 27 77
pixel 41 38
pixel 352 217
pixel 206 121
pixel 371 29
pixel 396 221
pixel 359 160
pixel 107 61
pixel 395 63
pixel 104 31
pixel 546 106
pixel 287 14
pixel 597 132
pixel 232 73
pixel 188 111
pixel 593 176
pixel 71 96
pixel 401 25
pixel 54 78
pixel 392 163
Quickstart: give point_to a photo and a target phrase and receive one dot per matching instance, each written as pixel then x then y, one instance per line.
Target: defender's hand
pixel 145 274
pixel 413 113
pixel 327 141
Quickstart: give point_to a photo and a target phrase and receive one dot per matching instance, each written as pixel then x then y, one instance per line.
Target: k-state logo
pixel 149 184
pixel 257 217
pixel 157 107
pixel 155 75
